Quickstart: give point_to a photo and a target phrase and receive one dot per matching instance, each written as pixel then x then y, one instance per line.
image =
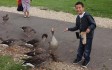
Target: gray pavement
pixel 102 44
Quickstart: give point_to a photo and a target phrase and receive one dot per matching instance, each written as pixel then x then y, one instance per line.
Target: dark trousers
pixel 84 50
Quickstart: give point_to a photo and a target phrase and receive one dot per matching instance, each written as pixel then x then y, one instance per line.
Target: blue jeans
pixel 85 50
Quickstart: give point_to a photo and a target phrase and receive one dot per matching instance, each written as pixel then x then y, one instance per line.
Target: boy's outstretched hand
pixel 66 29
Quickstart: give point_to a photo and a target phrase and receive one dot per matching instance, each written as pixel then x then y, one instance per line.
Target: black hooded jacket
pixel 87 21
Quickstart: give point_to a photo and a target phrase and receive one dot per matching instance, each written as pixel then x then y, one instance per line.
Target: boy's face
pixel 79 9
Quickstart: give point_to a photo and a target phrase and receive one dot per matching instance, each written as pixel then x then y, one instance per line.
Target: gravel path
pixel 35 11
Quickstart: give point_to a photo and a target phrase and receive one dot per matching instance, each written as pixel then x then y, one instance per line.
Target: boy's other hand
pixel 88 30
pixel 66 29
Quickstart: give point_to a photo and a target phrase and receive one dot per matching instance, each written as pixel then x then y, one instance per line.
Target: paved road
pixel 68 44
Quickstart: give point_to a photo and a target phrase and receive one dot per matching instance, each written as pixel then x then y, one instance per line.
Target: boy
pixel 86 25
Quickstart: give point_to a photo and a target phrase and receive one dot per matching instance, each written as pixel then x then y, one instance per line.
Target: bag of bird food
pixel 20 7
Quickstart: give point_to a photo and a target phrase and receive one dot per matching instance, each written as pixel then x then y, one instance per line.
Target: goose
pixel 44 37
pixel 36 60
pixel 32 42
pixel 37 42
pixel 42 43
pixel 53 45
pixel 35 52
pixel 39 46
pixel 2 45
pixel 29 31
pixel 8 42
pixel 19 42
pixel 5 18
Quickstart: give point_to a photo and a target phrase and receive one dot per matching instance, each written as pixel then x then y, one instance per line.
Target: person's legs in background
pixel 25 14
pixel 27 8
pixel 24 7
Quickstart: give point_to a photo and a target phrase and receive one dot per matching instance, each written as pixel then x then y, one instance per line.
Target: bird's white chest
pixel 54 42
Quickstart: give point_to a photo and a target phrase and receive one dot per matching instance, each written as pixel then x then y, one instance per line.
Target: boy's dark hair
pixel 79 3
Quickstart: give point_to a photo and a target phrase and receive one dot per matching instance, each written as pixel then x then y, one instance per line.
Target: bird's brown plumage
pixel 29 31
pixel 5 18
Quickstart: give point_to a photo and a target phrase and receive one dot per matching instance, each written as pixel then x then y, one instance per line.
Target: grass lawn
pixel 6 63
pixel 101 8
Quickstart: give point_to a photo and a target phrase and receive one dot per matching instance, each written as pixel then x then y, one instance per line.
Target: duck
pixel 5 18
pixel 29 31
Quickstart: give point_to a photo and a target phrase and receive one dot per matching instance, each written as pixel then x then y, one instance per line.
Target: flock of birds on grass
pixel 38 54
